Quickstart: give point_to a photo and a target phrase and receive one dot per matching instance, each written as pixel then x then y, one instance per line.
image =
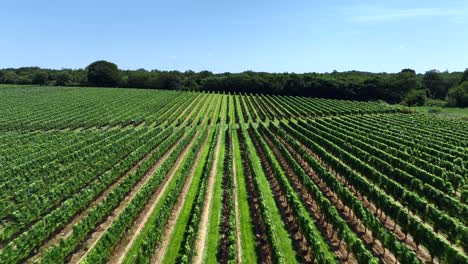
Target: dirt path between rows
pixel 301 245
pixel 217 111
pixel 125 244
pixel 68 229
pixel 354 224
pixel 99 231
pixel 200 242
pixel 236 205
pixel 422 253
pixel 195 105
pixel 161 250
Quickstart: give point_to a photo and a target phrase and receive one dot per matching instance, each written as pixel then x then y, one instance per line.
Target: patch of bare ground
pixel 217 109
pixel 94 237
pixel 125 244
pixel 243 110
pixel 227 196
pixel 58 204
pixel 421 252
pixel 263 247
pixel 197 103
pixel 167 113
pixel 68 229
pixel 203 114
pixel 236 205
pixel 301 245
pixel 200 242
pixel 355 224
pixel 161 249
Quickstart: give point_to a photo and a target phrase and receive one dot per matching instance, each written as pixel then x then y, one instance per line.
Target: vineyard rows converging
pixel 104 175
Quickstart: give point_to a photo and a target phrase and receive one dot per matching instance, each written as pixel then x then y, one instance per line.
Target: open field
pixel 460 113
pixel 112 175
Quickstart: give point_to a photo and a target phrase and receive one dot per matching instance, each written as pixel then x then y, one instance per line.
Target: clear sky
pixel 237 35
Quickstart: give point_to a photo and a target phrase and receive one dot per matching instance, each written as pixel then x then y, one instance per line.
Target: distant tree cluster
pixel 405 87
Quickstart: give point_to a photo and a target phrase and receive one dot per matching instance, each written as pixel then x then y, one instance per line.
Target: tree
pixel 213 83
pixel 62 79
pixel 294 84
pixel 415 98
pixel 138 79
pixel 164 80
pixel 458 96
pixel 169 80
pixel 371 89
pixel 465 76
pixel 103 74
pixel 9 77
pixel 404 82
pixel 190 84
pixel 433 81
pixel 40 78
pixel 24 79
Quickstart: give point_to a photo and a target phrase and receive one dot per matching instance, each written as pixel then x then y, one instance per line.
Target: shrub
pixel 458 96
pixel 415 98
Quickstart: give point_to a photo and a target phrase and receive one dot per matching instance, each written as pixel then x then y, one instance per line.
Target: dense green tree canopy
pixel 103 74
pixel 63 78
pixel 40 78
pixel 405 81
pixel 415 98
pixel 353 85
pixel 465 76
pixel 458 96
pixel 435 83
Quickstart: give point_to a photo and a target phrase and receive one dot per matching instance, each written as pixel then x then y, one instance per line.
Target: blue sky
pixel 274 36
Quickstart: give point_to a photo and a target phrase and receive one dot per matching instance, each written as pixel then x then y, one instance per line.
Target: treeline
pixel 442 88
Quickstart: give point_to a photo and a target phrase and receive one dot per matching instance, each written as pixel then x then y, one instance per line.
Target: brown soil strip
pixel 243 109
pixel 97 234
pixel 55 206
pixel 420 251
pixel 206 111
pixel 300 243
pixel 197 104
pixel 253 113
pixel 237 115
pixel 64 129
pixel 180 105
pixel 216 111
pixel 236 204
pixel 223 244
pixel 263 247
pixel 200 242
pixel 125 244
pixel 417 216
pixel 355 224
pixel 68 229
pixel 161 249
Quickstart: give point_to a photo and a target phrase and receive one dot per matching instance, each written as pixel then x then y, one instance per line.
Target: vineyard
pixel 105 175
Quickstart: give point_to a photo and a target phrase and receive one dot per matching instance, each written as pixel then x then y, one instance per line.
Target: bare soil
pixel 236 205
pixel 263 247
pixel 68 229
pixel 200 242
pixel 162 248
pixel 125 244
pixel 389 223
pixel 97 234
pixel 355 224
pixel 227 196
pixel 300 243
pixel 197 103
